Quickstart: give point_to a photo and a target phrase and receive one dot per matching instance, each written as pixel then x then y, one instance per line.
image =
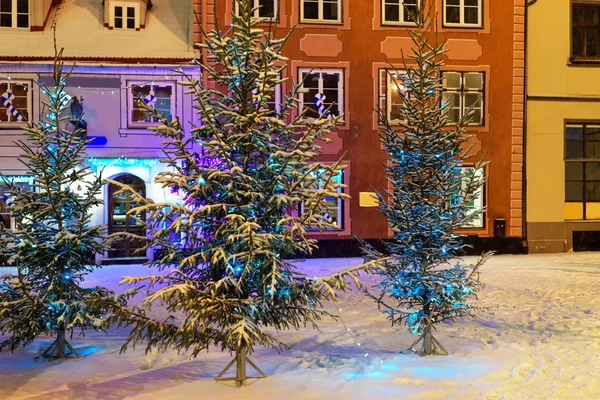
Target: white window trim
pixel 462 23
pixel 17 123
pixel 124 5
pixel 402 21
pixel 341 88
pixel 320 19
pixel 256 4
pixel 14 17
pixel 131 97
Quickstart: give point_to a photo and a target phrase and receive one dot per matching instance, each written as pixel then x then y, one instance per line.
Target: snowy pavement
pixel 540 341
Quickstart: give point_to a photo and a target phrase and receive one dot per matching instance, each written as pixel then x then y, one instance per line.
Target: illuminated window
pixel 326 84
pixel 15 102
pixel 390 94
pixel 582 170
pixel 321 11
pixel 335 206
pixel 463 13
pixel 464 91
pixel 160 95
pixel 399 12
pixel 476 206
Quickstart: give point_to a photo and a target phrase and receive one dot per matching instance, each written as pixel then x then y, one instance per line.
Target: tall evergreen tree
pixel 428 200
pixel 53 243
pixel 250 200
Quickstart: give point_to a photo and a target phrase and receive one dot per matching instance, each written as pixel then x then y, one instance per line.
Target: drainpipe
pixel 524 172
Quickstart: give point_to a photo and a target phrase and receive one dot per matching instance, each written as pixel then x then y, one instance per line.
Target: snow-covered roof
pixel 81 32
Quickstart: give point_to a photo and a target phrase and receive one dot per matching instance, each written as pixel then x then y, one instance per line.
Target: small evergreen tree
pixel 429 199
pixel 225 248
pixel 53 243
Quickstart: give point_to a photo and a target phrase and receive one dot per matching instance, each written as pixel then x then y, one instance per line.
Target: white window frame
pixel 14 15
pixel 393 78
pixel 256 12
pixel 341 88
pixel 320 19
pixel 136 6
pixel 463 90
pixel 276 99
pixel 403 17
pixel 15 122
pixel 462 22
pixel 340 204
pixel 478 222
pixel 131 98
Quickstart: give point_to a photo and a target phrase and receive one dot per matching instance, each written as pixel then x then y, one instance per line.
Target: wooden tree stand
pixel 430 345
pixel 240 371
pixel 57 350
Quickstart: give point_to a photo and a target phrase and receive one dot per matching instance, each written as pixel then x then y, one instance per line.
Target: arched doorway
pixel 118 220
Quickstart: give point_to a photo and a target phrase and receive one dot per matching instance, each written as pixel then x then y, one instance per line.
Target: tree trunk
pixel 60 344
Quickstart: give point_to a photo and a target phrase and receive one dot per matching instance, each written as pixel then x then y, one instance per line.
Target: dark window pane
pixel 592 171
pixel 23 21
pixel 577 42
pixel 130 23
pixel 118 11
pixel 330 11
pixel 267 9
pixel 578 12
pixel 311 10
pixel 5 5
pixel 118 23
pixel 592 191
pixel 591 44
pixel 574 171
pixel 453 15
pixel 592 132
pixel 575 132
pixel 392 13
pixel 331 81
pixel 130 12
pixel 592 150
pixel 6 20
pixel 574 149
pixel 22 6
pixel 573 191
pixel 471 15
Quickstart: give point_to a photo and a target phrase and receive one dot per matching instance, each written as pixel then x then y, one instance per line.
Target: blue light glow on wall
pixel 123 162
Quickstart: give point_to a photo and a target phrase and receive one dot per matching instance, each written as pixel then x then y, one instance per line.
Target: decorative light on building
pixel 30 179
pixel 123 162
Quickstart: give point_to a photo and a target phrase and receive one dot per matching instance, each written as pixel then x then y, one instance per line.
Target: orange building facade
pixel 340 48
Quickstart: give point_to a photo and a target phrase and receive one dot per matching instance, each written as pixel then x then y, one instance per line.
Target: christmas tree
pixel 428 200
pixel 53 243
pixel 249 200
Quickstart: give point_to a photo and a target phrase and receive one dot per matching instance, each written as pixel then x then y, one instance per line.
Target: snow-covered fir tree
pixel 428 200
pixel 250 197
pixel 53 243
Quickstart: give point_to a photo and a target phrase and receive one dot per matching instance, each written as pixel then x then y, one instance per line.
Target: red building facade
pixel 341 48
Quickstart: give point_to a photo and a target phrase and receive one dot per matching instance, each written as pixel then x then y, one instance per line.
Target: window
pixel 322 90
pixel 582 170
pixel 125 16
pixel 321 11
pixel 157 95
pixel 463 13
pixel 477 205
pixel 275 102
pixel 464 91
pixel 268 8
pixel 14 13
pixel 15 102
pixel 585 30
pixel 399 12
pixel 390 94
pixel 335 206
pixel 25 182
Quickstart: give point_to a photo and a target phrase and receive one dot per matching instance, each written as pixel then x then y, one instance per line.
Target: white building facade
pixel 120 52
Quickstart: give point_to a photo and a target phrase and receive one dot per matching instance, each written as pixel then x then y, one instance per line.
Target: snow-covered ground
pixel 541 341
